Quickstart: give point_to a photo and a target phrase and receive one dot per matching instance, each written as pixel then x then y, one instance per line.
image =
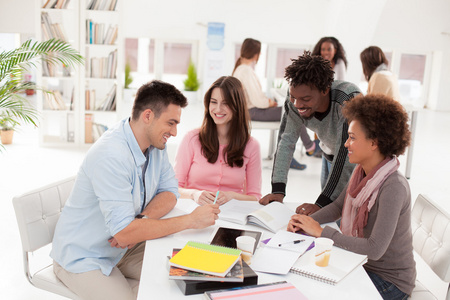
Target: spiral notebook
pixel 205 258
pixel 342 263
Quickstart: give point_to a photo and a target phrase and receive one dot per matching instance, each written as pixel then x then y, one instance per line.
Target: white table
pixel 413 110
pixel 156 285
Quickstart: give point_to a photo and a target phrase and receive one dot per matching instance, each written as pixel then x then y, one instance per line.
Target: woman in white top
pixel 331 49
pixel 375 69
pixel 260 107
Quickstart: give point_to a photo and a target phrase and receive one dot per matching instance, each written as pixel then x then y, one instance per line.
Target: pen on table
pixel 215 199
pixel 291 242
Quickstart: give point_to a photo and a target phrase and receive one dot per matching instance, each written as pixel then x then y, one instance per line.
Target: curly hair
pixel 383 119
pixel 340 52
pixel 239 131
pixel 314 71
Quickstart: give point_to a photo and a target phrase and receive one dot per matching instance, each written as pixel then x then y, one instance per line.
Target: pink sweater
pixel 193 171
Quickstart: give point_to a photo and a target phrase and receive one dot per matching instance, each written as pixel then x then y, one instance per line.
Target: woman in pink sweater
pixel 220 156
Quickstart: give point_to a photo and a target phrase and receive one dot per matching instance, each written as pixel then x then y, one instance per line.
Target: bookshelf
pixel 102 46
pixel 87 99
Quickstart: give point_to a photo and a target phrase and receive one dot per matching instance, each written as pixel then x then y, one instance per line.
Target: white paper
pixel 279 260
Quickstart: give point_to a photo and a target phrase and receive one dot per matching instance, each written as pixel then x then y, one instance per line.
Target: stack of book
pixel 201 267
pixel 51 30
pixel 102 5
pixel 95 33
pixel 56 4
pixel 102 67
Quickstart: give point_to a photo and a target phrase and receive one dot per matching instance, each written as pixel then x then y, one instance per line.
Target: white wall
pixel 413 25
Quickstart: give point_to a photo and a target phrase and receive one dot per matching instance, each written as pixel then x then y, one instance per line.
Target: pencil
pixel 215 199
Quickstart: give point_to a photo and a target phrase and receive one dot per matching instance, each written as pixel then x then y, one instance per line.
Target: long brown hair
pixel 371 58
pixel 239 130
pixel 249 48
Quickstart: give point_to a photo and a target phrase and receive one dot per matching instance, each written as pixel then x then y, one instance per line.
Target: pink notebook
pixel 277 290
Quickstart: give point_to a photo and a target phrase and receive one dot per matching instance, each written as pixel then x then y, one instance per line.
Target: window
pixel 139 53
pixel 176 61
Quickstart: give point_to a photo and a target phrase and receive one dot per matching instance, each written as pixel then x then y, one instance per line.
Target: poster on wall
pixel 215 54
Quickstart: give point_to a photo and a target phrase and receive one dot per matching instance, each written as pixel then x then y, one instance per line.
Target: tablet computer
pixel 227 237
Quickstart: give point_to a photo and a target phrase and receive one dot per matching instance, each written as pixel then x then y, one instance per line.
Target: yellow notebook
pixel 204 258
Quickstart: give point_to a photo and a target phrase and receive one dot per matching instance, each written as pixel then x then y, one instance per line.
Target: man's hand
pixel 113 243
pixel 271 197
pixel 204 216
pixel 307 209
pixel 204 197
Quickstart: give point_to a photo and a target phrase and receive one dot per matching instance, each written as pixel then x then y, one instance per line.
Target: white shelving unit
pixel 88 108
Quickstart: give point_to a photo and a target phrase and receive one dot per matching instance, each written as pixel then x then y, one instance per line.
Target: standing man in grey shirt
pixel 315 101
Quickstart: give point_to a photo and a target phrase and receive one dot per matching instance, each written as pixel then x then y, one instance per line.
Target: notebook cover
pixel 205 258
pixel 192 287
pixel 236 273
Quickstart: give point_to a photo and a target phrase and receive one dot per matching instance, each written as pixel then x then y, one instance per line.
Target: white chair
pixel 431 240
pixel 37 213
pixel 273 127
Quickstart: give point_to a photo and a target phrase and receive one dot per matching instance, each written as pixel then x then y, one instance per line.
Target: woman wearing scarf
pixel 376 205
pixel 375 69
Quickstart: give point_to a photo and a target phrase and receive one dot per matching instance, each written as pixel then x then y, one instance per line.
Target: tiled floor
pixel 24 166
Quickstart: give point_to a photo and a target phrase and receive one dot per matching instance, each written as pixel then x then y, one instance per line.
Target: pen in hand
pixel 292 242
pixel 215 199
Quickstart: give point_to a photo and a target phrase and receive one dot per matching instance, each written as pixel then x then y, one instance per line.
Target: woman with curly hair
pixel 221 156
pixel 376 205
pixel 331 49
pixel 375 69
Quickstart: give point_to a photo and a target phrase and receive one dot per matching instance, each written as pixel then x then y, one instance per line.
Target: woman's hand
pixel 224 197
pixel 272 103
pixel 204 197
pixel 305 223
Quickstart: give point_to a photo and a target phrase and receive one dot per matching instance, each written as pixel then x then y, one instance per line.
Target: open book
pixel 274 216
pixel 342 263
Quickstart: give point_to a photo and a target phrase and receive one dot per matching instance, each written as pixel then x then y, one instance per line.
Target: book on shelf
pixel 54 100
pixel 97 131
pixel 88 124
pixel 273 216
pixel 103 67
pixel 109 102
pixel 50 29
pixel 102 5
pixel 236 273
pixel 342 263
pixel 205 258
pixel 269 291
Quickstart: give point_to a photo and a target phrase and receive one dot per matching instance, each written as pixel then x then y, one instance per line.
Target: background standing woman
pixel 221 155
pixel 376 205
pixel 376 72
pixel 331 49
pixel 260 107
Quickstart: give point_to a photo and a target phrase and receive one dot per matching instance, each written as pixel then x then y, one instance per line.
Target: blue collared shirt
pixel 107 195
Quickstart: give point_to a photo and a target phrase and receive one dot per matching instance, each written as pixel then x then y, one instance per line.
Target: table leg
pixel 409 154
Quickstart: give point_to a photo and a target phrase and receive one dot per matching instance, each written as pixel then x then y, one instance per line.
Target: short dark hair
pixel 383 119
pixel 157 96
pixel 314 71
pixel 371 58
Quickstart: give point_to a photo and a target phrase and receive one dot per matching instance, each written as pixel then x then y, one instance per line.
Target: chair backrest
pixel 431 235
pixel 38 211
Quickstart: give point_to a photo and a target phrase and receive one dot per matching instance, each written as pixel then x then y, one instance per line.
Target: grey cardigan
pixel 387 238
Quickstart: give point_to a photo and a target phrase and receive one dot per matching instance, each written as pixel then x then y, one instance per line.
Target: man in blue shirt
pixel 124 186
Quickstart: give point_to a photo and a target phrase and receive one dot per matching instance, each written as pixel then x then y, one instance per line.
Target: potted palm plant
pixel 17 61
pixel 7 124
pixel 191 84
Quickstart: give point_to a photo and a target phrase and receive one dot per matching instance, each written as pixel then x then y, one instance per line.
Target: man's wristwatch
pixel 140 216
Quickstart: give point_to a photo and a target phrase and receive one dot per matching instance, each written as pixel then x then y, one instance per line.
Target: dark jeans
pixel 386 289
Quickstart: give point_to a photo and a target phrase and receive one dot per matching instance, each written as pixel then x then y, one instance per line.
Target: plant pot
pixel 6 136
pixel 191 96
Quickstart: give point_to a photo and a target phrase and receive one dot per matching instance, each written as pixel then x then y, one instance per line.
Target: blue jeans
pixel 386 289
pixel 326 167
